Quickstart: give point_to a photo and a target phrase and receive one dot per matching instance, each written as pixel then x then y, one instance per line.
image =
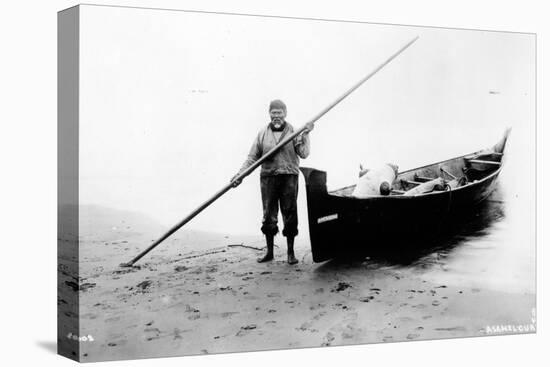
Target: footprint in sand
pixel 305 326
pixel 366 299
pixel 328 339
pixel 211 269
pixel 228 314
pixel 90 316
pixel 117 343
pixel 177 334
pixel 317 306
pixel 144 285
pixel 341 306
pixel 190 309
pixel 455 328
pixel 342 286
pixel 151 333
pixel 246 329
pixel 128 270
pixel 349 332
pixel 319 315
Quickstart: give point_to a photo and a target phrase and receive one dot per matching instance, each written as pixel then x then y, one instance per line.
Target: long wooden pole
pixel 268 155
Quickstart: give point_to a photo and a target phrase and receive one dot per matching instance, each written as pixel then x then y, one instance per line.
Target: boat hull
pixel 339 226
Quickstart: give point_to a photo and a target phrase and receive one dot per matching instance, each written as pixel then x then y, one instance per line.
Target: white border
pixel 28 185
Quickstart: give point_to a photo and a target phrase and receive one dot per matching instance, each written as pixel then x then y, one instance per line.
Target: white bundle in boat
pixel 371 181
pixel 423 188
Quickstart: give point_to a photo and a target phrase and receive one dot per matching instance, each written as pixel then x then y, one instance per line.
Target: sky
pixel 171 101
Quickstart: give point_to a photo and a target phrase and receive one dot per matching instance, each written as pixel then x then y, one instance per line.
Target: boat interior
pixel 446 175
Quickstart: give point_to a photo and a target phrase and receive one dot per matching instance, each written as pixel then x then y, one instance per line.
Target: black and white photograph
pixel 236 183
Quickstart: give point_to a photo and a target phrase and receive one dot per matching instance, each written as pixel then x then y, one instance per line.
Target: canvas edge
pixel 68 316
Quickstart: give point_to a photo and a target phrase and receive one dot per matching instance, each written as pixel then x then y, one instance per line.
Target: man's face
pixel 277 117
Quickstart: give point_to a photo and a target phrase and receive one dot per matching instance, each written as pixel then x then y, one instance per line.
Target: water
pixel 493 251
pixel 485 251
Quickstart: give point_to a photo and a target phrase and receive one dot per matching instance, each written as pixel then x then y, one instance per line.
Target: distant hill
pixel 111 224
pixel 96 219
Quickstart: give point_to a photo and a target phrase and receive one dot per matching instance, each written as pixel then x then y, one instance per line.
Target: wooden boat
pixel 340 224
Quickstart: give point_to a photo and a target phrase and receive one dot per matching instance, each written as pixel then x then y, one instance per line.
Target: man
pixel 278 177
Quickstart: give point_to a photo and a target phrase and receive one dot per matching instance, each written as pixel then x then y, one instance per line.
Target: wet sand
pixel 198 293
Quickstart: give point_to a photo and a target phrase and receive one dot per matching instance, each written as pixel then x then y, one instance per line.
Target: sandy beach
pixel 203 293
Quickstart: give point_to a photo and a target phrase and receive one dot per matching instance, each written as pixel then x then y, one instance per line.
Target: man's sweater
pixel 286 160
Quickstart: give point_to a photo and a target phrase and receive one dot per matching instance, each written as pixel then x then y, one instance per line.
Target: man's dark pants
pixel 279 190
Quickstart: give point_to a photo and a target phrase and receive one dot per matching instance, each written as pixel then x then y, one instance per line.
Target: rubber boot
pixel 290 251
pixel 269 254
